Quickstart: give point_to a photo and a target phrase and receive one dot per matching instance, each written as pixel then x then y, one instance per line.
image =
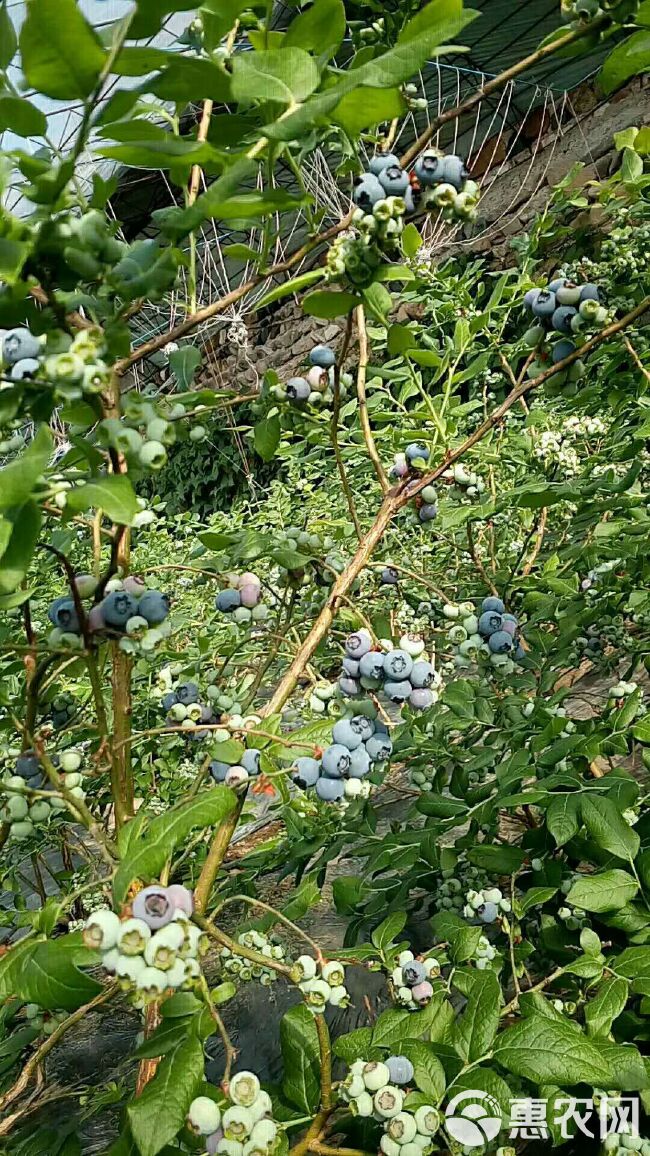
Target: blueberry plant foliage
pixel 456 636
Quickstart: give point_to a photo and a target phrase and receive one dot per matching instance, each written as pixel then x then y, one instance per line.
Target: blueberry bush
pixel 403 678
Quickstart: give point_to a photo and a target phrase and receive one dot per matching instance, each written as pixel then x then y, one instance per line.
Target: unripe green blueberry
pixel 198 433
pixel 363 1105
pixel 334 973
pixel 238 1123
pixel 427 1120
pixel 39 811
pixel 153 455
pixel 133 936
pixel 402 1127
pixel 204 1116
pixel 388 1101
pixel 375 1076
pixel 102 930
pixel 21 830
pixel 244 1089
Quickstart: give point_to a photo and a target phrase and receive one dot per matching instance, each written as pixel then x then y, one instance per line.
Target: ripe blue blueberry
pixel 488 913
pixel 27 765
pixel 428 512
pixel 397 691
pixel 401 1069
pixel 519 653
pixel 343 734
pixel 66 616
pixel 389 576
pixel 297 389
pixel 335 761
pixel 531 297
pixel 397 665
pixel 307 773
pixel 26 367
pixel 415 452
pixel 187 693
pixel 19 344
pixel 500 642
pixel 562 349
pixel 590 292
pixel 153 606
pixel 562 318
pixel 382 161
pixel 421 698
pixel 351 667
pixel 349 687
pixel 118 607
pixel 322 356
pixel 367 191
pixel 169 700
pixel 371 664
pixel 329 790
pixel 358 644
pixel 227 600
pixel 379 747
pixel 429 168
pixel 54 606
pixel 219 770
pixel 414 972
pixel 250 760
pixel 544 304
pixel 360 763
pixel 454 172
pixel 154 906
pixel 493 603
pixel 393 180
pixel 489 622
pixel 363 725
pixel 422 674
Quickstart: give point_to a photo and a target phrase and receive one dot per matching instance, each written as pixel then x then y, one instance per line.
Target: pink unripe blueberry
pixel 180 898
pixel 422 992
pixel 134 585
pixel 249 595
pixel 96 619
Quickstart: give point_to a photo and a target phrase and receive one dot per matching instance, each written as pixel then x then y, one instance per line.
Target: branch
pixel 477 561
pixel 537 545
pixel 220 936
pixel 216 855
pixel 334 430
pixel 363 404
pixel 231 1053
pixel 325 1049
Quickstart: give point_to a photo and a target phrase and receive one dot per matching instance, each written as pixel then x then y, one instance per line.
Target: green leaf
pixel 388 931
pixel 295 285
pixel 630 58
pixel 562 818
pixel 266 437
pixel 546 1050
pixel 318 29
pixel 61 54
pixel 150 14
pixel 187 76
pixel 328 303
pixel 17 554
pixel 441 19
pixel 300 1058
pixel 113 494
pixel 8 38
pixel 429 1073
pixel 286 75
pixel 184 363
pixel 608 828
pixel 486 1080
pixel 391 1028
pixel 411 240
pixel 21 117
pixel 478 1024
pixel 634 964
pixel 503 860
pixel 159 1112
pixel 353 1045
pixel 365 107
pixel 464 943
pixel 607 891
pixel 167 153
pixel 606 1006
pixel 145 843
pixel 17 480
pixel 536 896
pixel 47 972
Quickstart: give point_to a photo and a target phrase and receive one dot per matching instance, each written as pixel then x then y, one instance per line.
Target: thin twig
pixel 363 403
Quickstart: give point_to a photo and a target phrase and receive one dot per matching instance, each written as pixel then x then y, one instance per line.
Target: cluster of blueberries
pixel 486 905
pixel 438 182
pixel 469 483
pixel 322 983
pixel 62 710
pixel 411 979
pixel 357 253
pixel 185 711
pixel 127 608
pixel 241 599
pixel 413 460
pixel 42 1021
pixel 378 1090
pixel 23 808
pixel 359 744
pixel 237 967
pixel 563 308
pixel 580 12
pixel 243 1124
pixel 316 387
pixel 492 634
pixel 78 371
pixel 402 674
pixel 154 950
pixel 239 773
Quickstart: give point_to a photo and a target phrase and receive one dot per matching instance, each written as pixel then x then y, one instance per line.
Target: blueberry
pixel 53 608
pixel 544 304
pixel 349 687
pixel 227 600
pixel 27 765
pixel 344 735
pixel 169 700
pixel 531 297
pixel 336 761
pixel 489 623
pixel 397 691
pixel 429 168
pixel 401 1069
pixel 590 293
pixel 393 180
pixel 422 674
pixel 26 367
pixel 250 760
pixel 429 495
pixel 556 284
pixel 358 644
pixel 421 698
pixel 329 790
pixel 562 318
pixel 427 512
pixel 367 191
pixel 519 653
pixel 118 607
pixel 322 356
pixel 562 349
pixel 500 642
pixel 382 161
pixel 360 763
pixel 307 773
pixel 187 693
pixel 397 665
pixel 19 344
pixel 363 725
pixel 488 913
pixel 371 664
pixel 493 603
pixel 154 906
pixel 454 172
pixel 351 667
pixel 389 576
pixel 415 451
pixel 414 973
pixel 509 624
pixel 66 616
pixel 568 293
pixel 379 746
pixel 297 389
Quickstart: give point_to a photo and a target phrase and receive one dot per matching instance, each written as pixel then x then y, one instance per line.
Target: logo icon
pixel 473 1118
